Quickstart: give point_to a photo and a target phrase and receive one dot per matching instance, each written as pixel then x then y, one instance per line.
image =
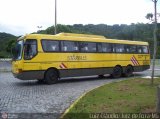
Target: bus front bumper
pixel 29 75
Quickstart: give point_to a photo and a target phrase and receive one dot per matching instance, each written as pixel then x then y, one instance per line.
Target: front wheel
pixel 117 72
pixel 51 76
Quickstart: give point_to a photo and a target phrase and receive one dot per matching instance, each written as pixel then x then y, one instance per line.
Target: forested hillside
pixel 6 40
pixel 139 31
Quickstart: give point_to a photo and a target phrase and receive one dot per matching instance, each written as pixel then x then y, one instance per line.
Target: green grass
pixel 129 96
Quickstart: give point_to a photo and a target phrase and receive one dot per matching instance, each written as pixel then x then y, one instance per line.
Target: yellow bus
pixel 50 57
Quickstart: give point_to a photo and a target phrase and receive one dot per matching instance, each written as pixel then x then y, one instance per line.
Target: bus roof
pixel 80 37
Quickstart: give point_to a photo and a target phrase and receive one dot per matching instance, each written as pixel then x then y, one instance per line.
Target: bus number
pixel 76 57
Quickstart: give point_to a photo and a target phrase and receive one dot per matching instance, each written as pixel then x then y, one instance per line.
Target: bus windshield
pixel 17 50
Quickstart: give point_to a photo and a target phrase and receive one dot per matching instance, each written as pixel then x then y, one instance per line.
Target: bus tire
pixel 40 81
pixel 117 72
pixel 128 71
pixel 101 76
pixel 51 76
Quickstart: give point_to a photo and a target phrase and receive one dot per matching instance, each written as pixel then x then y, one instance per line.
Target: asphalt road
pixel 20 99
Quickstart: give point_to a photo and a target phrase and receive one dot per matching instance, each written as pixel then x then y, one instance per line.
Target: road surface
pixel 23 98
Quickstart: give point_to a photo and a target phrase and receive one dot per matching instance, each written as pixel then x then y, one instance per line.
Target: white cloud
pixel 23 16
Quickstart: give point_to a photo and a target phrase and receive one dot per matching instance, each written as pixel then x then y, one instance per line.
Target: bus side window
pixel 139 49
pixel 83 46
pixel 69 46
pixel 133 49
pixel 64 48
pixel 88 47
pixel 92 47
pixel 50 45
pixel 76 48
pixel 109 47
pixel 99 46
pixel 53 48
pixel 104 47
pixel 119 48
pixel 130 48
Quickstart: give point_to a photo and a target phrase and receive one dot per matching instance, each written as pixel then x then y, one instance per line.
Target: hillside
pixel 5 44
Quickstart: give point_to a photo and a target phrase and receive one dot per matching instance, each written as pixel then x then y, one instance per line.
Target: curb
pixel 71 106
pixel 77 100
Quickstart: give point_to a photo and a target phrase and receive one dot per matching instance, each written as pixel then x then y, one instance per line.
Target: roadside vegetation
pixel 6 42
pixel 129 96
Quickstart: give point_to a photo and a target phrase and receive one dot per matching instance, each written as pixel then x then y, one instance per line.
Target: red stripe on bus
pixel 136 60
pixel 64 65
pixel 60 66
pixel 134 63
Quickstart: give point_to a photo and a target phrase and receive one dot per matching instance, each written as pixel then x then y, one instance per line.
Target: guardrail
pixel 5 64
pixel 157 62
pixel 6 59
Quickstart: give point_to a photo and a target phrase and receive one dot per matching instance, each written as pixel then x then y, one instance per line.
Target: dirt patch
pixel 124 88
pixel 149 110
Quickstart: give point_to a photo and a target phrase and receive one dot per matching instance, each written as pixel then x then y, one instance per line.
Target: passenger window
pixel 50 45
pixel 139 49
pixel 130 48
pixel 69 46
pixel 99 46
pixel 119 48
pixel 88 47
pixel 106 47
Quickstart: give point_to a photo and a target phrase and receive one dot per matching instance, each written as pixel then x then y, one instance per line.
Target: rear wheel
pixel 51 76
pixel 40 81
pixel 117 72
pixel 128 71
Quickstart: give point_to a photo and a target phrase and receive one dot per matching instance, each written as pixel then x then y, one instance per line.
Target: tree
pixel 150 16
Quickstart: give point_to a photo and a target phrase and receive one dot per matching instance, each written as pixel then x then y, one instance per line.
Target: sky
pixel 20 17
